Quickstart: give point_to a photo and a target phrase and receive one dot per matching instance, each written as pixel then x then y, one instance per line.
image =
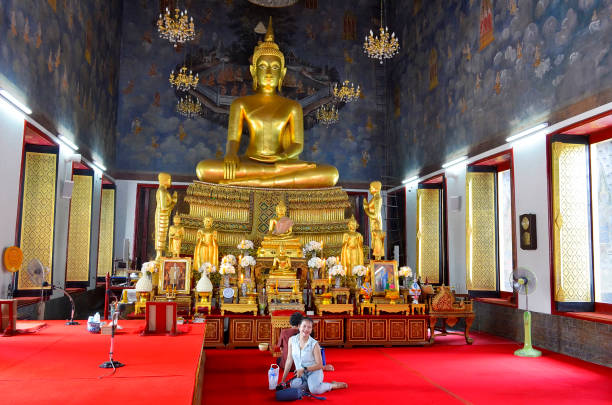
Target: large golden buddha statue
pixel 276 130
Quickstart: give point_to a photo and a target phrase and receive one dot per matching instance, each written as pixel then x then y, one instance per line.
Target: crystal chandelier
pixel 183 81
pixel 327 114
pixel 346 92
pixel 189 107
pixel 176 29
pixel 384 46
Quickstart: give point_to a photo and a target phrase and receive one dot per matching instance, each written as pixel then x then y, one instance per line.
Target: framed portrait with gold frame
pixel 175 271
pixel 384 276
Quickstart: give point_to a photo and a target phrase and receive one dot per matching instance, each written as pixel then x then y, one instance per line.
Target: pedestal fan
pixel 524 283
pixel 37 273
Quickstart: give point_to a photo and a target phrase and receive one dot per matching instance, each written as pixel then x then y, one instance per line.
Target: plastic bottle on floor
pixel 273 376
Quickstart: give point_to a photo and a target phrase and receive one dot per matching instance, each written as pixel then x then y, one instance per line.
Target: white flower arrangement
pixel 405 271
pixel 149 266
pixel 247 261
pixel 337 270
pixel 207 268
pixel 245 244
pixel 331 261
pixel 231 259
pixel 315 263
pixel 313 246
pixel 227 268
pixel 359 270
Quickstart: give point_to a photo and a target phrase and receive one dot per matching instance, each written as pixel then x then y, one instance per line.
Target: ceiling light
pixel 454 162
pixel 410 180
pixel 527 132
pixel 99 165
pixel 68 142
pixel 15 102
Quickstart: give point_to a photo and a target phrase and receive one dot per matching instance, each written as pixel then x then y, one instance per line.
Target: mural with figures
pixel 467 61
pixel 322 44
pixel 61 58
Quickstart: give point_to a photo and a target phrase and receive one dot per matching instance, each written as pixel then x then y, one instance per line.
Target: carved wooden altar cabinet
pixel 443 305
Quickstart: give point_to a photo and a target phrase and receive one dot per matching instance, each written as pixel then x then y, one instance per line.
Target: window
pixel 431 232
pixel 489 226
pixel 601 211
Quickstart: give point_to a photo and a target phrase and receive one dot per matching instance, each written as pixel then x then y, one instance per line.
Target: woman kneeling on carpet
pixel 305 352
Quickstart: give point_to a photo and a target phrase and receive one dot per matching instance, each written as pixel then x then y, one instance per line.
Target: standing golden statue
pixel 276 127
pixel 352 247
pixel 207 248
pixel 373 209
pixel 165 203
pixel 378 241
pixel 176 234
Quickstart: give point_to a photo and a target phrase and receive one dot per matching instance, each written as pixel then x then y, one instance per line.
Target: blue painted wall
pixel 546 55
pixel 61 57
pixel 152 137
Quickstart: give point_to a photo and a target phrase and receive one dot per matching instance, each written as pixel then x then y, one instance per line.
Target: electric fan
pixel 524 283
pixel 37 274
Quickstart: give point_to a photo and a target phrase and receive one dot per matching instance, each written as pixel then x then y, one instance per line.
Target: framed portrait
pixel 175 272
pixel 384 276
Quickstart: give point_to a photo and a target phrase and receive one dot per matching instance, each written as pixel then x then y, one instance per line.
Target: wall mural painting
pixel 322 43
pixel 515 60
pixel 61 58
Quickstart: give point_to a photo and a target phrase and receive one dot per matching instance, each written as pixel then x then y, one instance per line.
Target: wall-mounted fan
pixel 524 282
pixel 37 273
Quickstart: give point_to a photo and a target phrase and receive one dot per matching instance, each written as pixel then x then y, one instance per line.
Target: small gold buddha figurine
pixel 352 247
pixel 282 263
pixel 276 127
pixel 281 226
pixel 373 207
pixel 165 203
pixel 207 248
pixel 176 233
pixel 378 241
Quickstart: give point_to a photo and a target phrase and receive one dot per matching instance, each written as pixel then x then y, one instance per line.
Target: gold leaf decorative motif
pixel 107 224
pixel 79 231
pixel 428 234
pixel 38 213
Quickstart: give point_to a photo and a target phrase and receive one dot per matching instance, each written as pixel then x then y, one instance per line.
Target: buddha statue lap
pixel 276 130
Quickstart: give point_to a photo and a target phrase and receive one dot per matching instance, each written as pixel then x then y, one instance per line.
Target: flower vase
pixel 315 274
pixel 338 281
pixel 247 272
pixel 358 282
pixel 226 280
pixel 405 283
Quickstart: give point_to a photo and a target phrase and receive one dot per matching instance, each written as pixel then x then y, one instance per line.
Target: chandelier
pixel 176 29
pixel 189 107
pixel 327 114
pixel 384 46
pixel 346 92
pixel 183 81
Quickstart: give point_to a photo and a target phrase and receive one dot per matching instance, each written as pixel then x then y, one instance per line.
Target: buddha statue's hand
pixel 230 163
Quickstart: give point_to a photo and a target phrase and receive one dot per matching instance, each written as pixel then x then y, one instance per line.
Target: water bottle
pixel 273 376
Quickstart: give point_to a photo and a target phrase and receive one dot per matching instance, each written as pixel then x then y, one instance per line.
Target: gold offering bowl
pixel 141 301
pixel 204 298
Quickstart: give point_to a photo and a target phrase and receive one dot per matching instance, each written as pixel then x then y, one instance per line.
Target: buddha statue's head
pixel 208 221
pixel 375 187
pixel 164 179
pixel 352 224
pixel 281 209
pixel 176 220
pixel 268 65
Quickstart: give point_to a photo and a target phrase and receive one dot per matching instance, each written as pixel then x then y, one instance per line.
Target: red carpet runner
pixel 59 365
pixel 449 372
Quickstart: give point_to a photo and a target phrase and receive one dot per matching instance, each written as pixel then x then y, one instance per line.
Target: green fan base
pixel 528 351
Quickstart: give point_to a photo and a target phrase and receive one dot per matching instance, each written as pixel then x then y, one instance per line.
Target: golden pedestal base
pixel 270 247
pixel 240 308
pixel 393 308
pixel 335 308
pixel 245 212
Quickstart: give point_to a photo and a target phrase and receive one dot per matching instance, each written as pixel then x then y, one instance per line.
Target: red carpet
pixel 448 372
pixel 59 365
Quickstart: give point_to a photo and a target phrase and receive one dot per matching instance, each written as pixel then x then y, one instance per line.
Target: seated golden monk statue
pixel 281 226
pixel 280 232
pixel 276 130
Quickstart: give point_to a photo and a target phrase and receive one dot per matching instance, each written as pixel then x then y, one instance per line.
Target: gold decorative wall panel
pixel 245 212
pixel 428 235
pixel 107 225
pixel 79 230
pixel 480 231
pixel 37 213
pixel 571 232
